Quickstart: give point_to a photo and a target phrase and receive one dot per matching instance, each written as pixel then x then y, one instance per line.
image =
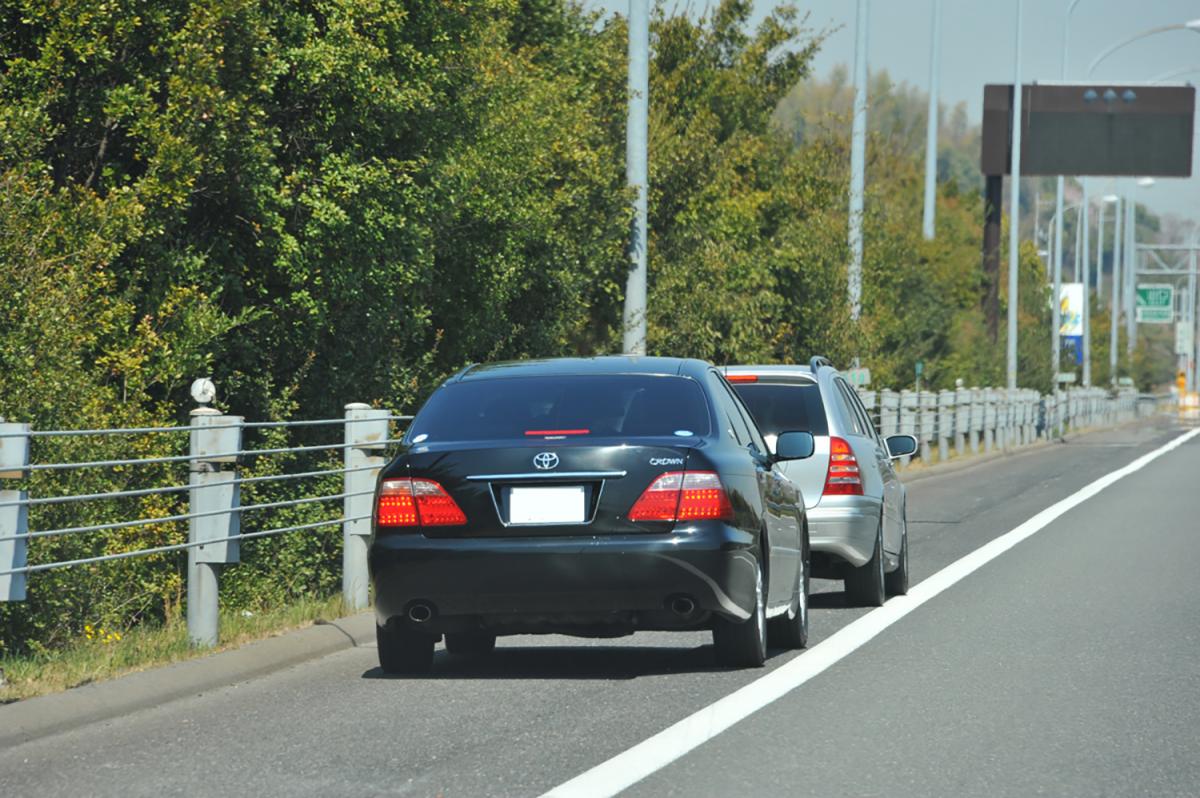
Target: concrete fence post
pixel 989 419
pixel 889 413
pixel 14 512
pixel 975 409
pixel 366 433
pixel 962 419
pixel 868 399
pixel 927 420
pixel 215 496
pixel 1035 401
pixel 908 418
pixel 945 423
pixel 1003 419
pixel 1016 420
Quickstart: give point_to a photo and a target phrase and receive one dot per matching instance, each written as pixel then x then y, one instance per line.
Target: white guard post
pixel 14 514
pixel 366 436
pixel 215 497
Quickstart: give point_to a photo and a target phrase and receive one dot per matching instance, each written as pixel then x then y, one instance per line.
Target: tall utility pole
pixel 1056 322
pixel 1056 279
pixel 1130 273
pixel 1193 302
pixel 636 173
pixel 1114 333
pixel 1086 209
pixel 1014 213
pixel 858 160
pixel 1100 252
pixel 931 125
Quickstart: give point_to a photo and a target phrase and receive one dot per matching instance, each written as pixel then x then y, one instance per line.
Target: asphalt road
pixel 1069 665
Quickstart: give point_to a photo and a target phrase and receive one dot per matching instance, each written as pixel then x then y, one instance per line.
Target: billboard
pixel 1070 309
pixel 1091 129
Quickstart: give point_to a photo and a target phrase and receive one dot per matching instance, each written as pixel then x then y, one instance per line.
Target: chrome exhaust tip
pixel 420 613
pixel 683 606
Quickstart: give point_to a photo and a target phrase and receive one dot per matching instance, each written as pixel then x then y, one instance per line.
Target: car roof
pixel 777 370
pixel 570 366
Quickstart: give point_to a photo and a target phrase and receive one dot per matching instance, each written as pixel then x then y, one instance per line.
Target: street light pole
pixel 931 125
pixel 858 159
pixel 1085 210
pixel 1192 25
pixel 1056 321
pixel 636 174
pixel 1114 332
pixel 1130 272
pixel 1014 213
pixel 1100 251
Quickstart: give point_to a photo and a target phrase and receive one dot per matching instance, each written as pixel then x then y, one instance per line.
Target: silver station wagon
pixel 854 499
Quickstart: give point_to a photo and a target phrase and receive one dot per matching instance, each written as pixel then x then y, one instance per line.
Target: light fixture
pixel 204 391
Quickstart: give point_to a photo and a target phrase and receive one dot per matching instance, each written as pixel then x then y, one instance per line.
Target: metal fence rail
pixel 214 513
pixel 952 423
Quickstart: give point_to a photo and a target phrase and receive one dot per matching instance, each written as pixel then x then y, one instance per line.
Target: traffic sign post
pixel 1155 303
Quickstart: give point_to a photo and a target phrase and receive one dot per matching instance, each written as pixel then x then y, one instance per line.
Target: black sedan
pixel 591 497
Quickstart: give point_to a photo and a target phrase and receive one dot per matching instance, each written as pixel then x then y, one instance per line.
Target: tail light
pixel 683 496
pixel 415 503
pixel 843 477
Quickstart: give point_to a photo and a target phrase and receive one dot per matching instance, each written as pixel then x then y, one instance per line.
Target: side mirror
pixel 900 445
pixel 794 446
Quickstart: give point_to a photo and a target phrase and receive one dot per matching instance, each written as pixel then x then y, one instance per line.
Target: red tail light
pixel 741 378
pixel 683 496
pixel 416 502
pixel 843 478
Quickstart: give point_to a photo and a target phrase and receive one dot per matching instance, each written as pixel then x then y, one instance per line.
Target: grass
pixel 107 654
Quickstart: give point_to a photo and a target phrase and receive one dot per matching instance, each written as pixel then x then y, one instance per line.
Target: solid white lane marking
pixel 653 754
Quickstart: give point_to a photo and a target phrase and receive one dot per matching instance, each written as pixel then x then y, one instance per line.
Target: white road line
pixel 653 754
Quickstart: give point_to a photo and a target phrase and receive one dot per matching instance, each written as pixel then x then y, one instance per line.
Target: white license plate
pixel 557 505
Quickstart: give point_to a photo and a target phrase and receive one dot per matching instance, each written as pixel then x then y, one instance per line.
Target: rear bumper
pixel 845 527
pixel 624 582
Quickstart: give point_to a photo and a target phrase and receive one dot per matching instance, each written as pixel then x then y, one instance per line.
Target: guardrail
pixel 966 419
pixel 978 420
pixel 214 487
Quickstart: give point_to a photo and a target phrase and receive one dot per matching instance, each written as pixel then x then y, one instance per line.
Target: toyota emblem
pixel 544 461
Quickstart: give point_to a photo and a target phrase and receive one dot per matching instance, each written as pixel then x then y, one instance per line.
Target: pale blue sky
pixel 978 41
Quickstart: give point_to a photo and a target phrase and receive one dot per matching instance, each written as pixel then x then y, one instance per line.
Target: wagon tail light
pixel 843 477
pixel 683 496
pixel 416 503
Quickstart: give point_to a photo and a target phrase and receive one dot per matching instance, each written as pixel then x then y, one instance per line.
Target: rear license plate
pixel 557 505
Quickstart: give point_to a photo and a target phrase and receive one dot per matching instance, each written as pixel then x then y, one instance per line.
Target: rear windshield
pixel 570 407
pixel 777 407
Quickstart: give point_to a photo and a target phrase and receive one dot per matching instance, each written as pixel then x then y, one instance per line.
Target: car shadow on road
pixel 833 600
pixel 570 662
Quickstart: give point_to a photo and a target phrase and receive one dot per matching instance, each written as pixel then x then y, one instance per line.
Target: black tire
pixel 865 584
pixel 790 631
pixel 896 582
pixel 470 644
pixel 743 644
pixel 403 650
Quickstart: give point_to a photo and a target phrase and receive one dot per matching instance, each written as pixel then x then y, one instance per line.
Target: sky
pixel 979 43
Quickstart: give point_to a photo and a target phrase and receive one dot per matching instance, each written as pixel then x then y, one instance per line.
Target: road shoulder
pixel 34 718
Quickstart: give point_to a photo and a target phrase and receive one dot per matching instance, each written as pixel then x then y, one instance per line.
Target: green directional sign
pixel 1155 303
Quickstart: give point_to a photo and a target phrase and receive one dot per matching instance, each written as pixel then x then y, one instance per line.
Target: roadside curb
pixel 33 718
